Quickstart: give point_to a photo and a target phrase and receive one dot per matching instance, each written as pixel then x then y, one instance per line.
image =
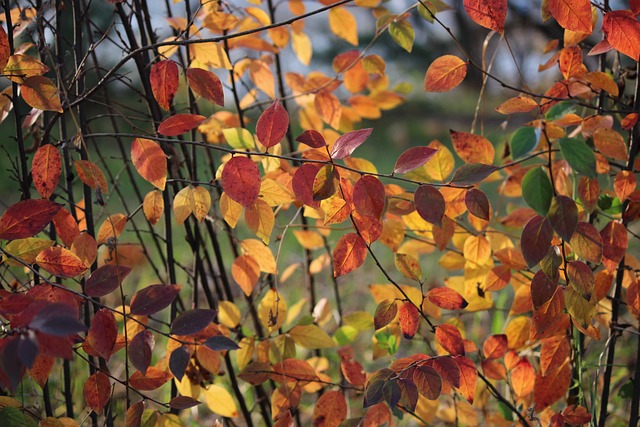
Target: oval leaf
pixel 46 169
pixel 444 74
pixel 26 218
pixel 241 180
pixel 179 123
pixel 413 158
pixel 153 298
pixel 272 125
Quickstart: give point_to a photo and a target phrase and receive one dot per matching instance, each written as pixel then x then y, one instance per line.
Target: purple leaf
pixel 347 143
pixel 192 321
pixel 220 342
pixel 413 158
pixel 179 361
pixel 140 349
pixel 57 319
pixel 153 298
pixel 106 279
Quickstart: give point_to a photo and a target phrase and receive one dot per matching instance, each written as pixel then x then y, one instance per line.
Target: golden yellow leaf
pixel 219 401
pixel 229 314
pixel 260 219
pixel 272 310
pixel 261 253
pixel 183 204
pixel 344 25
pixel 153 206
pixel 230 209
pixel 201 202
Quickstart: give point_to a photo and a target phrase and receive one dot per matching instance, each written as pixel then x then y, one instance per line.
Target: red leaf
pixel 272 125
pixel 348 254
pixel 478 204
pixel 140 350
pixel 472 173
pixel 133 417
pixel 46 169
pixel 430 204
pixel 105 280
pixel 312 138
pixel 622 31
pixel 206 84
pixel 409 318
pixel 61 262
pixel 97 391
pixel 553 354
pixel 615 240
pixel 27 218
pixel 551 388
pixel 179 123
pixel 183 402
pixel 563 216
pixel 448 369
pixel 495 346
pixel 413 158
pixel 490 14
pixel 330 410
pixel 369 196
pixel 535 241
pixel 241 180
pixel 449 337
pixel 446 298
pixel 153 298
pixel 150 161
pixel 5 49
pixel 302 184
pixel 574 15
pixel 164 82
pixel 103 333
pixel 153 379
pixel 587 243
pixel 347 143
pixel 542 289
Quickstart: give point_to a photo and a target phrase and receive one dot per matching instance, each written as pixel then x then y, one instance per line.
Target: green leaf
pixel 579 156
pixel 523 141
pixel 537 190
pixel 559 110
pixel 402 33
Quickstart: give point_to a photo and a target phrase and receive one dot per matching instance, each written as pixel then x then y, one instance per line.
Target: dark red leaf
pixel 153 298
pixel 220 343
pixel 97 391
pixel 542 289
pixel 26 218
pixel 140 350
pixel 478 204
pixel 369 196
pixel 183 402
pixel 106 279
pixel 472 173
pixel 535 241
pixel 302 184
pixel 563 216
pixel 57 319
pixel 312 138
pixel 413 158
pixel 430 204
pixel 103 333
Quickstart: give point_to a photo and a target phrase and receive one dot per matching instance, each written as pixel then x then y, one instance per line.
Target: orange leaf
pixel 153 379
pixel 46 169
pixel 348 254
pixel 468 377
pixel 103 333
pixel 428 381
pixel 245 270
pixel 409 318
pixel 206 84
pixel 164 82
pixel 61 262
pixel 570 62
pixel 97 391
pixel 472 148
pixel 490 14
pixel 449 337
pixel 90 174
pixel 179 123
pixel 446 298
pixel 150 161
pixel 519 104
pixel 624 184
pixel 444 74
pixel 574 15
pixel 495 346
pixel 622 31
pixel 113 226
pixel 523 378
pixel 5 49
pixel 41 93
pixel 330 410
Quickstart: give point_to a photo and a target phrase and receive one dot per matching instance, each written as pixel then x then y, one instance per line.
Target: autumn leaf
pixel 178 124
pixel 206 84
pixel 444 74
pixel 164 82
pixel 574 15
pixel 348 254
pixel 41 93
pixel 150 161
pixel 241 180
pixel 61 262
pixel 489 14
pixel 622 31
pixel 46 169
pixel 27 218
pixel 272 125
pixel 97 391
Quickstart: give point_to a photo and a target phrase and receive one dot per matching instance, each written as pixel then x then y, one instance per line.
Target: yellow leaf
pixel 262 77
pixel 275 194
pixel 272 310
pixel 439 166
pixel 25 249
pixel 311 337
pixel 309 239
pixel 230 209
pixel 344 25
pixel 153 206
pixel 244 354
pixel 186 387
pixel 302 47
pixel 41 93
pixel 261 253
pixel 477 250
pixel 260 219
pixel 239 138
pixel 183 204
pixel 229 314
pixel 201 202
pixel 409 267
pixel 219 401
pixel 207 55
